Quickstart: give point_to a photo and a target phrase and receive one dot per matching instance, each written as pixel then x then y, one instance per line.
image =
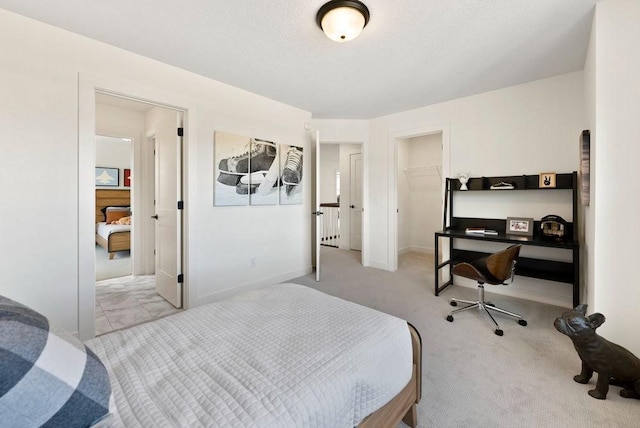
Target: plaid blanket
pixel 47 376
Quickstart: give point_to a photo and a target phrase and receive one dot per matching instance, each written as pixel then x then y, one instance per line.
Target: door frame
pixel 392 164
pixel 88 85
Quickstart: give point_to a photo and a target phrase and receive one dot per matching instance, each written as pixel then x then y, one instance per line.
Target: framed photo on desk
pixel 519 226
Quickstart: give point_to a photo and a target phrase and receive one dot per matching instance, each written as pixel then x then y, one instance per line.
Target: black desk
pixel 567 272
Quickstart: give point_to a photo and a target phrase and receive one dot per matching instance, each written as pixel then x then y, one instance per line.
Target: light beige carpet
pixel 471 377
pixel 117 267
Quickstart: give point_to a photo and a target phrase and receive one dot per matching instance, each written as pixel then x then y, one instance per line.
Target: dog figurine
pixel 613 363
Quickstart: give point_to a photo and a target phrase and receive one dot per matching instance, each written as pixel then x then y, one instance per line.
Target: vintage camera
pixel 553 227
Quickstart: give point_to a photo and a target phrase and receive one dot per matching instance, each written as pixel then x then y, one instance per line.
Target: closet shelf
pixel 428 170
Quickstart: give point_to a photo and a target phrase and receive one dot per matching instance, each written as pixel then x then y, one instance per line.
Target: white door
pixel 355 209
pixel 168 229
pixel 318 212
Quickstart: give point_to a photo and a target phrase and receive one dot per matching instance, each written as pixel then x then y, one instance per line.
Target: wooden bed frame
pixel 403 406
pixel 119 241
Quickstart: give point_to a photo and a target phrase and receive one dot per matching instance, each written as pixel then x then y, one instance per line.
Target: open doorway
pixel 113 207
pixel 418 162
pixel 154 150
pixel 341 196
pixel 419 198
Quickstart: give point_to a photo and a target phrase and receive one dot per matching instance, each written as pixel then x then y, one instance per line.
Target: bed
pixel 283 356
pixel 112 238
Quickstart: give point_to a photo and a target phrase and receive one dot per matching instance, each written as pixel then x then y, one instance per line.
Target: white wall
pixel 114 153
pixel 41 68
pixel 617 109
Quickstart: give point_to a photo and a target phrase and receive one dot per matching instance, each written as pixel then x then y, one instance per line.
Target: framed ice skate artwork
pixel 231 155
pixel 261 184
pixel 291 175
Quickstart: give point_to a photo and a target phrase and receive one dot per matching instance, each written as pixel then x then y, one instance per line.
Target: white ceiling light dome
pixel 342 20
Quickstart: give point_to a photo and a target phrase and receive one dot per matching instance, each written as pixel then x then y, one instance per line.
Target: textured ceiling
pixel 411 54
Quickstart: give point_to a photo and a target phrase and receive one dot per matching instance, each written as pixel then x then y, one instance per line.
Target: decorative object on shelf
pixel 342 20
pixel 503 185
pixel 519 226
pixel 585 156
pixel 479 231
pixel 553 227
pixel 547 180
pixel 126 179
pixel 108 177
pixel 598 355
pixel 464 179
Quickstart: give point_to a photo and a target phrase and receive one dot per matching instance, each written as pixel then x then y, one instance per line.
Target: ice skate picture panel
pixel 231 163
pixel 291 175
pixel 261 184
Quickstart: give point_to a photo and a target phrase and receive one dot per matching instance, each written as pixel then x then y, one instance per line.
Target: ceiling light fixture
pixel 342 20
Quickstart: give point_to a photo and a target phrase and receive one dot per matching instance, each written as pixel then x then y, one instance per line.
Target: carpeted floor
pixel 117 267
pixel 471 377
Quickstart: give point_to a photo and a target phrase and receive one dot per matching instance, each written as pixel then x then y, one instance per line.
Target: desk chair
pixel 493 269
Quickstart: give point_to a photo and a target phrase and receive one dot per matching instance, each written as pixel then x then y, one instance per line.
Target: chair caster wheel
pixel 522 322
pixel 499 332
pixel 449 318
pixel 452 303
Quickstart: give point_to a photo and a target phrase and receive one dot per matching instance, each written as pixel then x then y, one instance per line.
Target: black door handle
pixel 155 216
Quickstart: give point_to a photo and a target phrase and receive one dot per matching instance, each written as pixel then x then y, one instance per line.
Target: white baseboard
pixel 541 292
pixel 415 249
pixel 379 265
pixel 423 250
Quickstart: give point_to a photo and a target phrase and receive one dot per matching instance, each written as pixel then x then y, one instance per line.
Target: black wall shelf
pixel 454 228
pixel 520 182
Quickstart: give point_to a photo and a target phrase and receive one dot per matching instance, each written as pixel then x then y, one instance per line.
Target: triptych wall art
pixel 253 171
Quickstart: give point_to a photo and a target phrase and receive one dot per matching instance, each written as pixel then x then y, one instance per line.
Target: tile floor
pixel 124 302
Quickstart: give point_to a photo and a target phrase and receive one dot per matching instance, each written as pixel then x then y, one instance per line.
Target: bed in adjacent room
pixel 113 220
pixel 285 356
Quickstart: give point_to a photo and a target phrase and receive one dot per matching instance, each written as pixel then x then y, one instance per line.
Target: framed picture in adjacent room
pixel 126 178
pixel 107 177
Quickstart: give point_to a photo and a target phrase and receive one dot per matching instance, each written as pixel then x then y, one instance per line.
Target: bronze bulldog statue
pixel 614 364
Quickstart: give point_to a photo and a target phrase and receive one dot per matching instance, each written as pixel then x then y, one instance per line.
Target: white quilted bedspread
pixel 284 356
